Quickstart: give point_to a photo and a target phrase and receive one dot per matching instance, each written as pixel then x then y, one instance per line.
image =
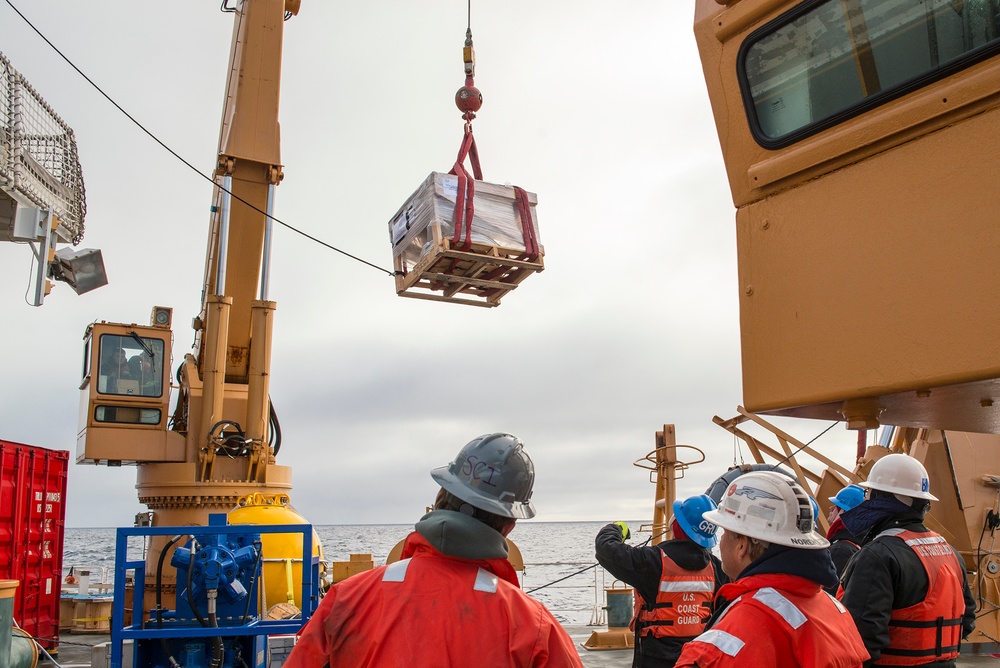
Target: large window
pixel 130 365
pixel 827 61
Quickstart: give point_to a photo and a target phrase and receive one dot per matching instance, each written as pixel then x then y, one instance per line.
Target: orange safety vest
pixel 930 630
pixel 683 603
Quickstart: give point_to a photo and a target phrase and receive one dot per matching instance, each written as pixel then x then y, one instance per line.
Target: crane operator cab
pixel 126 392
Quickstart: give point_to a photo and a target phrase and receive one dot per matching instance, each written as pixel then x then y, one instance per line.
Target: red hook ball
pixel 468 98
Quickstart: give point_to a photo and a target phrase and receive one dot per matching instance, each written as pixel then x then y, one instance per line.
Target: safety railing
pixel 574 591
pixel 85 580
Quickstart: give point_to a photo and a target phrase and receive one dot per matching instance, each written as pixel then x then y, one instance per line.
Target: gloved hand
pixel 626 534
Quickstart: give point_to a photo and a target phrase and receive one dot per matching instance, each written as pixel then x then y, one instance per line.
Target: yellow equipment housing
pixel 281 553
pixel 860 142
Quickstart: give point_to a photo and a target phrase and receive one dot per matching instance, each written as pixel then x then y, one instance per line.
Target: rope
pixel 583 570
pixel 806 445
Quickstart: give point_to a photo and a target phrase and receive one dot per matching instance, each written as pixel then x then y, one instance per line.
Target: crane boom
pixel 223 405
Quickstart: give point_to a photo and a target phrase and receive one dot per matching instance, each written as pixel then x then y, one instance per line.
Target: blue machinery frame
pixel 135 631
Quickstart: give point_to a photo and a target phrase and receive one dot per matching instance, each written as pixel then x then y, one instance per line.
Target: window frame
pixel 966 60
pixel 162 383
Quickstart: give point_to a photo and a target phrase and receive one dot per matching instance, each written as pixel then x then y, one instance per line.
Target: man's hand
pixel 626 534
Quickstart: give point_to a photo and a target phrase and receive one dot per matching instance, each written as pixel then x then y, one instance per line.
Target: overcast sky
pixel 598 107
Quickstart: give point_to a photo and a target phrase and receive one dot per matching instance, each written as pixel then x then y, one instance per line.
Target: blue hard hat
pixel 688 514
pixel 848 497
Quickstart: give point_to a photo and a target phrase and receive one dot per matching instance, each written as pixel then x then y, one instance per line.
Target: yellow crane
pixel 215 449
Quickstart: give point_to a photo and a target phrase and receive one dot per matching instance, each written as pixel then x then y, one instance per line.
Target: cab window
pixel 127 415
pixel 130 366
pixel 827 61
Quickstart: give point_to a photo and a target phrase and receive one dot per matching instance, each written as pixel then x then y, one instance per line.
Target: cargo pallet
pixel 447 275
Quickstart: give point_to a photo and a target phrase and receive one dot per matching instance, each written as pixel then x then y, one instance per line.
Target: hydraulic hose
pixel 159 598
pixel 275 428
pixel 194 608
pixel 218 649
pixel 256 576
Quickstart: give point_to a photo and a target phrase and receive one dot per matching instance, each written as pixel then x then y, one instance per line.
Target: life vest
pixel 683 603
pixel 930 630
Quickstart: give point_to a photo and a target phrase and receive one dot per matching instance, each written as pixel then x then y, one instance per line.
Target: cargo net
pixel 38 157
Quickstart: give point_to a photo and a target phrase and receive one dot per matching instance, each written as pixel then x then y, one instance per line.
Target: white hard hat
pixel 900 474
pixel 770 507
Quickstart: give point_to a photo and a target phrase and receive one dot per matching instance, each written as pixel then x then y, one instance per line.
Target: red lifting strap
pixel 531 249
pixel 464 201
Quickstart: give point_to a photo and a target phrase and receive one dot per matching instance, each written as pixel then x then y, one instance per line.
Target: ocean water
pixel 560 569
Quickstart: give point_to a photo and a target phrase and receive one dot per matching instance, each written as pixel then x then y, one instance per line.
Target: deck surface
pixel 75 652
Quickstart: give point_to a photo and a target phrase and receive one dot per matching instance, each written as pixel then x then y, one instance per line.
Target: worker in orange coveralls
pixel 453 598
pixel 775 612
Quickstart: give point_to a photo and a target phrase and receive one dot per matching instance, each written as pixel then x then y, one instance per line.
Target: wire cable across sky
pixel 179 157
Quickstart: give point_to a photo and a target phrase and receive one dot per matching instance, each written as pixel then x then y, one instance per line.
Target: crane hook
pixel 469 99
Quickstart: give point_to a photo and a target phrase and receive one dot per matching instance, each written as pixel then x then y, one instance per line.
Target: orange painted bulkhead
pixel 867 251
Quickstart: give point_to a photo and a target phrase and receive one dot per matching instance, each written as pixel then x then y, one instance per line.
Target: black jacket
pixel 843 546
pixel 887 575
pixel 641 567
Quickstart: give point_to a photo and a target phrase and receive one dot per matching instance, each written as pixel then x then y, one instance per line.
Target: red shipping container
pixel 32 528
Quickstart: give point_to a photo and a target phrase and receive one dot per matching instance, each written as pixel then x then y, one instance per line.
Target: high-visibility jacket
pixel 777 620
pixel 683 603
pixel 931 629
pixel 430 610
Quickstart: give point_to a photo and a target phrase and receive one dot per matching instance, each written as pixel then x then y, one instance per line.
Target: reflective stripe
pixel 840 606
pixel 727 609
pixel 687 585
pixel 396 571
pixel 926 541
pixel 486 581
pixel 781 605
pixel 724 642
pixel 891 532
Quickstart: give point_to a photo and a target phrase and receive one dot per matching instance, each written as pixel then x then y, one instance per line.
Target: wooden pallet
pixel 430 265
pixel 480 276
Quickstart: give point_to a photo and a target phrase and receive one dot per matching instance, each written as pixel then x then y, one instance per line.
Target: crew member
pixel 775 612
pixel 906 588
pixel 843 543
pixel 675 581
pixel 453 599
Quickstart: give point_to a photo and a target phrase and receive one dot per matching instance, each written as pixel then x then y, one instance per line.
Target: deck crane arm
pixel 234 343
pixel 222 401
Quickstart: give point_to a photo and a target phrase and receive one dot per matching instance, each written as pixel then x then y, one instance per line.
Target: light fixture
pixel 83 270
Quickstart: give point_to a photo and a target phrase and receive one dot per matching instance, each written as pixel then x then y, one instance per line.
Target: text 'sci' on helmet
pixel 688 514
pixel 900 474
pixel 848 497
pixel 770 507
pixel 492 473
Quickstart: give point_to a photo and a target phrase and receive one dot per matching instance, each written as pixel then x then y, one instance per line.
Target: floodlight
pixel 83 270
